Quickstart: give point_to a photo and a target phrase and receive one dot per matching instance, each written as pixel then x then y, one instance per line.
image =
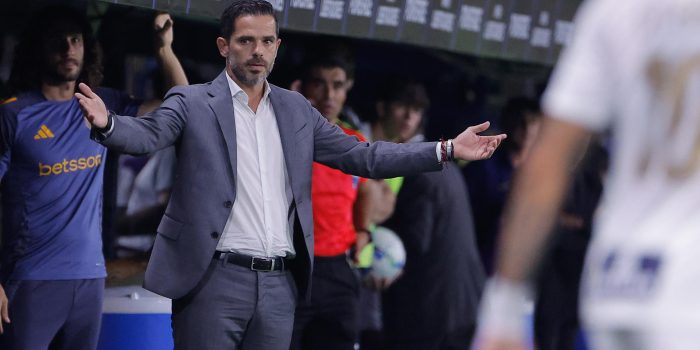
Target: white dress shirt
pixel 258 224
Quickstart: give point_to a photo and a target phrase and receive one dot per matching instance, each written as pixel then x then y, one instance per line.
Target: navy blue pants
pixel 62 314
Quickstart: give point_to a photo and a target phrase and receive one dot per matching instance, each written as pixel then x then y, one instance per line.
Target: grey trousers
pixel 236 308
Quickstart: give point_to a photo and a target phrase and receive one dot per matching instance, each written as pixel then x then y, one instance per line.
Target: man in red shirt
pixel 328 320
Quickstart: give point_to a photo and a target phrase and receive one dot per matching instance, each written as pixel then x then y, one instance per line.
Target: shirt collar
pixel 237 92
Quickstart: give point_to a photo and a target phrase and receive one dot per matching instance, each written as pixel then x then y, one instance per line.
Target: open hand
pixel 470 146
pixel 93 107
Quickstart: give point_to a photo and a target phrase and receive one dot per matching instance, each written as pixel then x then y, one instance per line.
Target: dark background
pixel 464 89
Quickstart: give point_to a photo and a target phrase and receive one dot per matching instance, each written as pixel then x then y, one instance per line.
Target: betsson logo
pixel 70 165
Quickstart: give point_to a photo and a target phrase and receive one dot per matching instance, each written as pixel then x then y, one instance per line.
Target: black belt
pixel 255 263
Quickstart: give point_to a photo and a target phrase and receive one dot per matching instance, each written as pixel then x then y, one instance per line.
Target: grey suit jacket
pixel 199 120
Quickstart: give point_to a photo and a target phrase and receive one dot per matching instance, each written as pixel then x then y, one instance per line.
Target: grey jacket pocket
pixel 170 227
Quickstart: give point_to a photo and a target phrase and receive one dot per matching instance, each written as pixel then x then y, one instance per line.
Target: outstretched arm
pixel 143 135
pixel 332 147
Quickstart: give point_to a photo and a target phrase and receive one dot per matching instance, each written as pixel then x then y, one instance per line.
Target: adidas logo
pixel 44 133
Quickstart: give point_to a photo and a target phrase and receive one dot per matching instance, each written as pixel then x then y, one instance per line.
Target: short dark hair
pixel 240 8
pixel 30 58
pixel 516 115
pixel 328 57
pixel 404 91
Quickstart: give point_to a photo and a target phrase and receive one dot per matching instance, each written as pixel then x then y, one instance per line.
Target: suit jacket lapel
pixel 221 103
pixel 288 122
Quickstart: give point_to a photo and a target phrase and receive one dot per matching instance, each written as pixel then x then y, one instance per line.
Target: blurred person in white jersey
pixel 633 67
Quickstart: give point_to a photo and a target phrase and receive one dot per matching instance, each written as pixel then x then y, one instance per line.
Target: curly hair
pixel 30 58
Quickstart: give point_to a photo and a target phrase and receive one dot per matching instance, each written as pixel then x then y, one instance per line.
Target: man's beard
pixel 241 74
pixel 53 75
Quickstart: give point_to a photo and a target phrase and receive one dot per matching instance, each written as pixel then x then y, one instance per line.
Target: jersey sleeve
pixel 582 87
pixel 119 101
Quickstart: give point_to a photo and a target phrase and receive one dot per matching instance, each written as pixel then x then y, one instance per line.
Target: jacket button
pixel 214 234
pixel 228 204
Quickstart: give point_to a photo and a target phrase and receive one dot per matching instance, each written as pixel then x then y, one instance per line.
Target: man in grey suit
pixel 236 241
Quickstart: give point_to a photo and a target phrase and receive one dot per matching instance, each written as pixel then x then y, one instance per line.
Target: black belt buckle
pixel 262 264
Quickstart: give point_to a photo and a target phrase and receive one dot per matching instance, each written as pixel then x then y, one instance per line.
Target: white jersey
pixel 634 67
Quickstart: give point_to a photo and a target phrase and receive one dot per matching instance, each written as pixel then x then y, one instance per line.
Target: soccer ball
pixel 389 254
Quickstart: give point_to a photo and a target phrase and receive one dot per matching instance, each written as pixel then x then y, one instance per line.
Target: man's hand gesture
pixel 93 107
pixel 470 146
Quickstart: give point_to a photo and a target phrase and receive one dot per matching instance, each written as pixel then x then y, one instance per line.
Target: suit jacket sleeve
pixel 152 131
pixel 334 148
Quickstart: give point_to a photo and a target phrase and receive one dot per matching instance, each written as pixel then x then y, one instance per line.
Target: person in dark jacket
pixel 433 305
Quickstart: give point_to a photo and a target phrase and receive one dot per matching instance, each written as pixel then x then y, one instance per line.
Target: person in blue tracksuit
pixel 52 268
